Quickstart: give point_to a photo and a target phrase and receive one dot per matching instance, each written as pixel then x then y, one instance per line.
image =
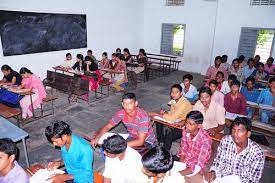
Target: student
pixel 31 83
pixel 11 77
pixel 77 155
pixel 118 52
pixel 158 166
pixel 79 65
pixel 213 113
pixel 104 63
pixel 10 170
pixel 236 70
pixel 257 60
pixel 127 55
pixel 120 75
pixel 123 164
pixel 226 66
pixel 90 65
pixel 242 61
pixel 189 91
pixel 238 158
pixel 212 70
pixel 235 102
pixel 226 84
pixel 251 95
pixel 68 62
pixel 136 121
pixel 219 78
pixel 195 149
pixel 180 107
pixel 142 64
pixel 217 96
pixel 269 66
pixel 260 73
pixel 267 97
pixel 90 54
pixel 248 69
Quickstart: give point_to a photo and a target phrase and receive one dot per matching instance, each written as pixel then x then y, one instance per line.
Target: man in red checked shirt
pixel 136 121
pixel 195 148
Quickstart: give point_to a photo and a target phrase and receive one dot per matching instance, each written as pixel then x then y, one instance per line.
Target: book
pixel 252 103
pixel 161 119
pixel 109 134
pixel 233 116
pixel 44 175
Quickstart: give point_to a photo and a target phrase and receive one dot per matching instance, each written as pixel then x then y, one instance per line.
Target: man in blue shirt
pixel 251 94
pixel 77 155
pixel 267 97
pixel 248 69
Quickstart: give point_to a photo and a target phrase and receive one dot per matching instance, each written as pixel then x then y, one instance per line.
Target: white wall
pixel 199 17
pixel 109 25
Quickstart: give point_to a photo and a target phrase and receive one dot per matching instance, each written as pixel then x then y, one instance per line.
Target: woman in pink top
pixel 32 83
pixel 217 96
pixel 269 66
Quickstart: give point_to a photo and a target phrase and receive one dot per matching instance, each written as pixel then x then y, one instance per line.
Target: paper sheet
pixel 232 116
pixel 44 175
pixel 109 134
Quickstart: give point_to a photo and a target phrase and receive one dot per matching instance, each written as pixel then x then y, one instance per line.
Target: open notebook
pixel 232 116
pixel 109 134
pixel 161 119
pixel 44 175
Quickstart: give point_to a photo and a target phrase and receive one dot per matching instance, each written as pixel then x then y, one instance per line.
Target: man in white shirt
pixel 158 166
pixel 189 91
pixel 68 62
pixel 123 164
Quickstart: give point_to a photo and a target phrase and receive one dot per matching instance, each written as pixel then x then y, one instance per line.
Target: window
pixel 262 2
pixel 256 41
pixel 172 39
pixel 175 2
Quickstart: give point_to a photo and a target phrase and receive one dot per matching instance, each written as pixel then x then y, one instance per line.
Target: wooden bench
pixel 102 84
pixel 8 112
pixel 49 98
pixel 72 85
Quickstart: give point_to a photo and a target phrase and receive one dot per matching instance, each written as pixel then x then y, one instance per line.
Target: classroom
pixel 159 91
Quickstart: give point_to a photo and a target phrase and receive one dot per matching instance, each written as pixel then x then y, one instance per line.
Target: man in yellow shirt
pixel 180 107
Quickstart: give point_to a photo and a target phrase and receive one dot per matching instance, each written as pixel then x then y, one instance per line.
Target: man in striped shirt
pixel 136 121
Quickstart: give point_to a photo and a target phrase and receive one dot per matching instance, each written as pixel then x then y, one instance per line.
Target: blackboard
pixel 28 32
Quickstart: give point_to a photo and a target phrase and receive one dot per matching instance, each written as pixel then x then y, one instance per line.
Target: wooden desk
pixel 178 125
pixel 33 169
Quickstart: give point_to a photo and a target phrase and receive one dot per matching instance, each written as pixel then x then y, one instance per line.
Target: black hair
pixel 114 144
pixel 24 70
pixel 126 50
pixel 205 89
pixel 141 50
pixel 105 54
pixel 251 60
pixel 90 51
pixel 242 121
pixel 57 129
pixel 235 82
pixel 257 56
pixel 250 78
pixel 271 58
pixel 196 116
pixel 214 82
pixel 88 58
pixel 236 59
pixel 177 86
pixel 271 80
pixel 6 68
pixel 218 58
pixel 187 76
pixel 220 73
pixel 114 54
pixel 224 56
pixel 118 50
pixel 129 96
pixel 260 64
pixel 121 57
pixel 232 77
pixel 157 160
pixel 241 57
pixel 80 56
pixel 8 147
pixel 68 54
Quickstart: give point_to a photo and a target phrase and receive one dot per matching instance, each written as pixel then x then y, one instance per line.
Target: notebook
pixel 44 175
pixel 161 119
pixel 232 116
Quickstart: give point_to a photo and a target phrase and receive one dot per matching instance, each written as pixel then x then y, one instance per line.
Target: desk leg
pixel 32 106
pixel 26 152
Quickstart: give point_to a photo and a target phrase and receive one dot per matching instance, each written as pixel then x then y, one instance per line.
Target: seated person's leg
pixel 171 136
pixel 265 115
pixel 159 130
pixel 250 112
